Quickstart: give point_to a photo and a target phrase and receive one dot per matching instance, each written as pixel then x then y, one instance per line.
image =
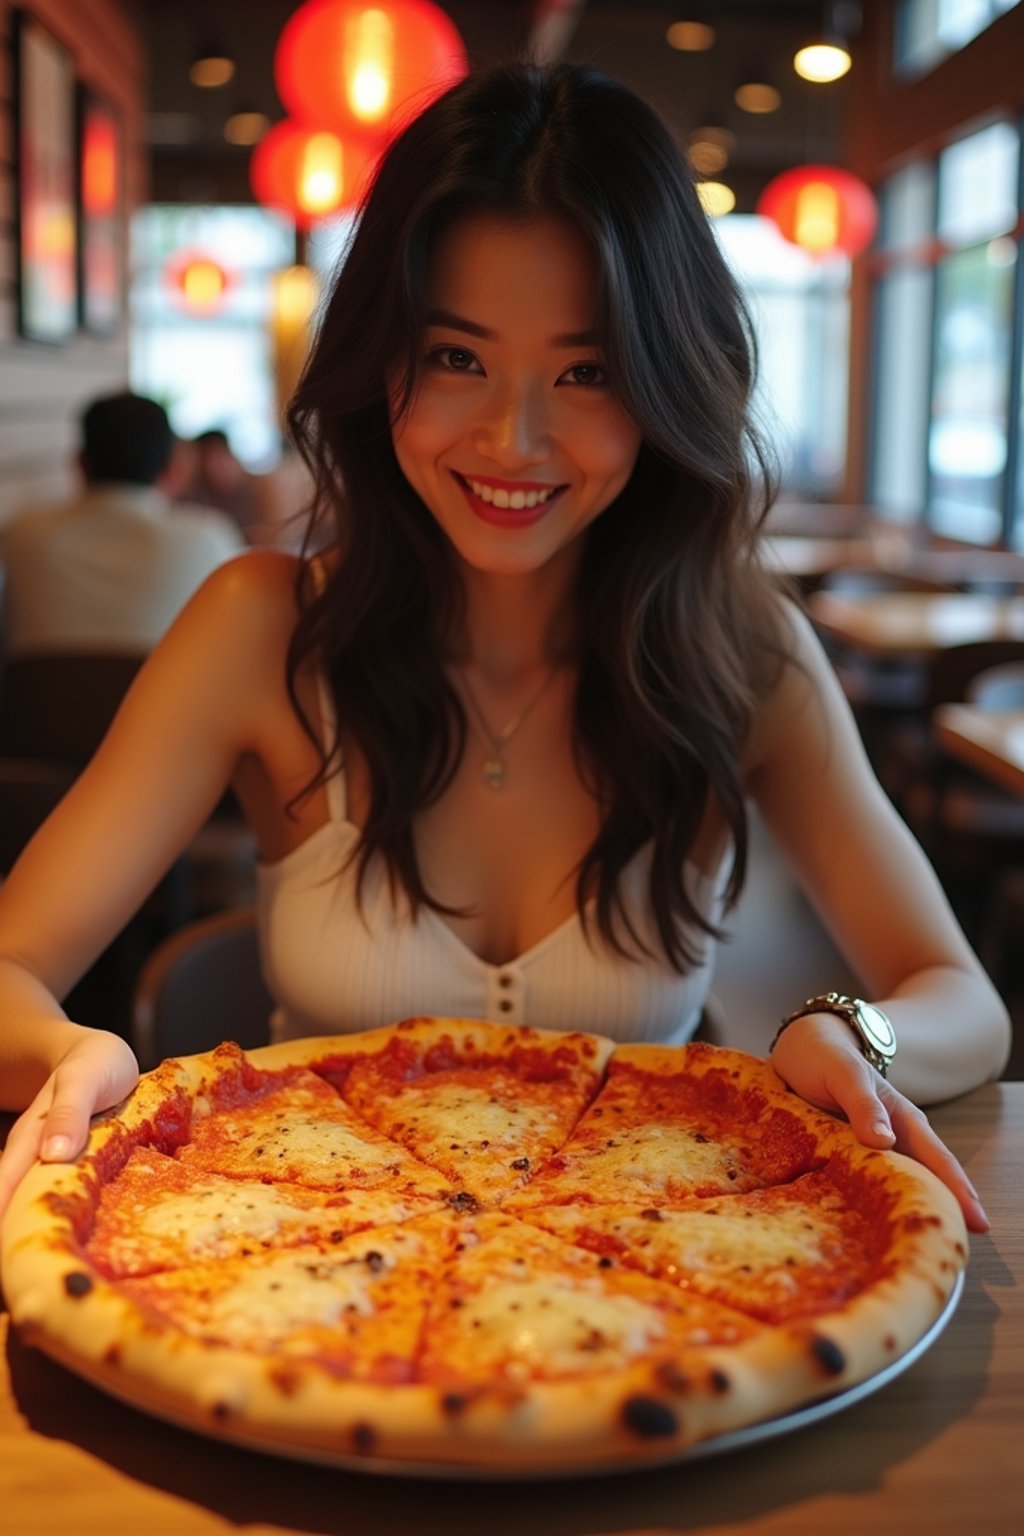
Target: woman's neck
pixel 515 625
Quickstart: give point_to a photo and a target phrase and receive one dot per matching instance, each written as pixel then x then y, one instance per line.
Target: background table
pixel 989 740
pixel 938 1452
pixel 916 623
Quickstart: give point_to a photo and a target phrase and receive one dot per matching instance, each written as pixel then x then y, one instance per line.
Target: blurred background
pixel 177 181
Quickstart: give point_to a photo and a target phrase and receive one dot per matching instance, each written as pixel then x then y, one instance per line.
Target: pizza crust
pixel 636 1411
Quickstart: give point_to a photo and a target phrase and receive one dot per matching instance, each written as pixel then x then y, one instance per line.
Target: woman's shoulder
pixel 798 701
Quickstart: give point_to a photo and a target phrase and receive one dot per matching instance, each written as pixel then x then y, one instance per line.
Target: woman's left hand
pixel 819 1059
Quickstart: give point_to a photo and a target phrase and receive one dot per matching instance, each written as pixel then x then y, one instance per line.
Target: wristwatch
pixel 875 1034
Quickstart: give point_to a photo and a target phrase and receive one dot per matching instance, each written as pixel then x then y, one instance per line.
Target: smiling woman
pixel 522 433
pixel 498 741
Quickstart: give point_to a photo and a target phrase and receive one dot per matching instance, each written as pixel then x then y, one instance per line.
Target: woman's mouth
pixel 510 504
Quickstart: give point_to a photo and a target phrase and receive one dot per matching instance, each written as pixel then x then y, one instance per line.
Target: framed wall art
pixel 47 265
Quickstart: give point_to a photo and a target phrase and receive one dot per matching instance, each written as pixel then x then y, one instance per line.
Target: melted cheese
pixel 541 1327
pixel 648 1161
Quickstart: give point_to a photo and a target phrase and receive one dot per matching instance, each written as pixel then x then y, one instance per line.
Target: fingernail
pixel 56 1147
pixel 881 1129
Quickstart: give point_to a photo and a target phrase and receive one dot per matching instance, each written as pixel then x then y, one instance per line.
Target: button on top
pixel 504 980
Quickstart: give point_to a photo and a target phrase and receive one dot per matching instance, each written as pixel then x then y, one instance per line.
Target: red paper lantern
pixel 822 209
pixel 198 282
pixel 310 173
pixel 363 69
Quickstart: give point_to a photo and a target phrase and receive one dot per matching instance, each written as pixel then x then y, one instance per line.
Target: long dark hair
pixel 679 632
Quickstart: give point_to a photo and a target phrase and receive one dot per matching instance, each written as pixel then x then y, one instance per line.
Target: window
pixel 800 311
pixel 210 369
pixel 928 31
pixel 944 304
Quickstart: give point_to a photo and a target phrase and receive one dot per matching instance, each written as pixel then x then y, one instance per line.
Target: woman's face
pixel 513 438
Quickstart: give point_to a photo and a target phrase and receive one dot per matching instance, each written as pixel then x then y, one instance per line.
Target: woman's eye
pixel 452 359
pixel 591 374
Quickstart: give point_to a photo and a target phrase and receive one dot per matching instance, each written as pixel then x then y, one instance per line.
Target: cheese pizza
pixel 451 1245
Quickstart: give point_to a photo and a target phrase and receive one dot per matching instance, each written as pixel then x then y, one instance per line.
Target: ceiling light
pixel 690 36
pixel 757 96
pixel 716 198
pixel 822 62
pixel 212 66
pixel 246 127
pixel 708 157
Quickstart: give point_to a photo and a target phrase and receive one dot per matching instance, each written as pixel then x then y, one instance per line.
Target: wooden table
pixel 991 741
pixel 938 1452
pixel 916 623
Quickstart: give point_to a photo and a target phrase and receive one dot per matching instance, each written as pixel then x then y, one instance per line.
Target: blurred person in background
pixel 111 568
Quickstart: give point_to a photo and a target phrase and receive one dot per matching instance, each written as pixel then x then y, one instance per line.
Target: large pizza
pixel 449 1244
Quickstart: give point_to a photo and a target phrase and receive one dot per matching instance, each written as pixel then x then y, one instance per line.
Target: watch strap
pixel 847 1009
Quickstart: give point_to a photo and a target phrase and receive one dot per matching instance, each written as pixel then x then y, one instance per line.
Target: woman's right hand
pixel 96 1072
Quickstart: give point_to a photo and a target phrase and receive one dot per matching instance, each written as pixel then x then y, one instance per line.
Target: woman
pixel 496 744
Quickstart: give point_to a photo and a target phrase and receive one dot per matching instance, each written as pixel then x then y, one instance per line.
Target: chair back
pixel 29 791
pixel 57 706
pixel 952 670
pixel 199 987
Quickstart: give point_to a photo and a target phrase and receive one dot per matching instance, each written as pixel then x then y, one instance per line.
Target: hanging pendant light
pixel 357 69
pixel 309 173
pixel 821 208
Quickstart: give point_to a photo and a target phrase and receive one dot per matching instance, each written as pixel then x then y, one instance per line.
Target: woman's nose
pixel 515 428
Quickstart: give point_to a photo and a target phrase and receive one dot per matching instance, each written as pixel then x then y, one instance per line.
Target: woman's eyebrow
pixel 455 322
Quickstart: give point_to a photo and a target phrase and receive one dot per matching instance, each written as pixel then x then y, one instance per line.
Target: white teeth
pixel 514 499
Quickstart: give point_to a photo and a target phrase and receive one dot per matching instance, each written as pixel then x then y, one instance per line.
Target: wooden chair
pixel 199 987
pixel 57 707
pixel 29 791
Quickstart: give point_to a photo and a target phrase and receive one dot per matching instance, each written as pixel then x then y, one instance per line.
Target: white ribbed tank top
pixel 334 970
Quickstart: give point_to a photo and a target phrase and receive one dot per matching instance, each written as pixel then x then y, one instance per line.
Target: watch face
pixel 877 1028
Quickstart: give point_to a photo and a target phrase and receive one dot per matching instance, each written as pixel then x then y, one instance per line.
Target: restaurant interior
pixel 889 318
pixel 863 164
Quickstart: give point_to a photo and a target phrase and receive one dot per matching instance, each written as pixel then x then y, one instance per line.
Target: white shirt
pixel 109 570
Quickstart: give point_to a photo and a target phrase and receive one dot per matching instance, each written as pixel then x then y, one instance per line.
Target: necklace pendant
pixel 495 771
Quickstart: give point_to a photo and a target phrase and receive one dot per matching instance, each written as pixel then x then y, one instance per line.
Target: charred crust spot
pixel 463 1201
pixel 364 1437
pixel 889 1342
pixel 521 1164
pixel 720 1382
pixel 374 1261
pixel 649 1417
pixel 77 1283
pixel 650 1214
pixel 672 1378
pixel 285 1380
pixel 112 1355
pixel 454 1403
pixel 220 1411
pixel 828 1355
pixel 604 1262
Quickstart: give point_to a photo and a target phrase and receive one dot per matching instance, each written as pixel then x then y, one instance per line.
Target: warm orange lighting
pixel 360 69
pixel 821 208
pixel 198 282
pixel 309 173
pixel 821 63
pixel 99 164
pixel 690 36
pixel 758 97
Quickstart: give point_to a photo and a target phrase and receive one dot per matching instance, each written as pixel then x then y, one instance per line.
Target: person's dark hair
pixel 679 630
pixel 126 438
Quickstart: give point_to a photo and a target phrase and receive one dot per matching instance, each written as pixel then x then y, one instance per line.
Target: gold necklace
pixel 494 766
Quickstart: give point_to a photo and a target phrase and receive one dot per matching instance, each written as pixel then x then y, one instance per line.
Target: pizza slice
pixel 161 1213
pixel 482 1104
pixel 355 1309
pixel 519 1306
pixel 292 1127
pixel 777 1254
pixel 671 1124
